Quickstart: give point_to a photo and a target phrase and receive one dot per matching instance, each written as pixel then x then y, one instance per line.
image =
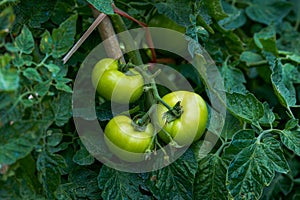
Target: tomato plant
pixel 252 152
pixel 190 125
pixel 125 141
pixel 115 85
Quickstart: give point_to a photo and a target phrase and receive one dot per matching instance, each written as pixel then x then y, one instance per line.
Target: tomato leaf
pixel 176 180
pixel 245 107
pixel 24 41
pixel 83 157
pixel 84 182
pixel 269 117
pixel 252 157
pixel 27 13
pixel 215 9
pixel 32 74
pixel 19 139
pixel 25 181
pixel 202 16
pixel 210 178
pixel 288 38
pixel 234 80
pixel 277 10
pixel 291 139
pixel 127 184
pixel 63 37
pixel 291 124
pixel 266 40
pixel 281 183
pixel 50 168
pixel 46 43
pixel 54 69
pixel 251 58
pixel 245 139
pixel 216 122
pixel 235 19
pixel 42 88
pixel 178 11
pixel 8 110
pixel 231 126
pixel 103 6
pixel 63 87
pixel 282 85
pixel 104 112
pixel 62 108
pixel 9 80
pixel 201 149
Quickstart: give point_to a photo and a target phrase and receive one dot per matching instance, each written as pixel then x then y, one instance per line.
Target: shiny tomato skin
pixel 124 141
pixel 191 125
pixel 115 85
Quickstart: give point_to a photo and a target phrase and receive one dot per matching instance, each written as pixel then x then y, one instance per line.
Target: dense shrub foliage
pixel 255 45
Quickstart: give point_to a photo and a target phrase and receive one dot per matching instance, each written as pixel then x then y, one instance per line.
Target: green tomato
pixel 191 125
pixel 115 85
pixel 124 141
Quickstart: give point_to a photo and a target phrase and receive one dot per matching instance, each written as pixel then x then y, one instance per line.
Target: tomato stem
pixel 172 142
pixel 145 118
pixel 127 39
pixel 149 148
pixel 219 151
pixel 157 96
pixel 162 149
pixel 148 35
pixel 263 133
pixel 131 111
pixel 176 111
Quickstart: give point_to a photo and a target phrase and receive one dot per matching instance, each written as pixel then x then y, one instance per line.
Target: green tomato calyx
pixel 173 113
pixel 140 122
pixel 139 127
pixel 124 67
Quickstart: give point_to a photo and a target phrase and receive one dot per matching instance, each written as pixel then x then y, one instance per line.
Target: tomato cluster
pixel 127 138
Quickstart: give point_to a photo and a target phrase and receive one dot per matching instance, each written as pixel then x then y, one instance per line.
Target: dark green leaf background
pixel 256 48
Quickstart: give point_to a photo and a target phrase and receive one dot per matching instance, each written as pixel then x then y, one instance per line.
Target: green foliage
pixel 255 45
pixel 7 18
pixel 177 178
pixel 210 178
pixel 127 184
pixel 104 6
pixel 253 158
pixel 277 10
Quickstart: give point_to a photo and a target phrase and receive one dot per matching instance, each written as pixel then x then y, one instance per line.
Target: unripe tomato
pixel 115 85
pixel 191 125
pixel 124 141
